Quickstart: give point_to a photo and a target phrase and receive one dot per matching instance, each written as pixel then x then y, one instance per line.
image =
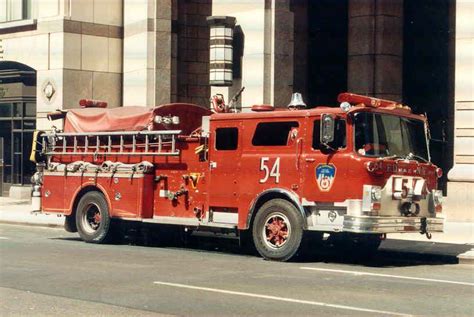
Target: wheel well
pixel 71 218
pixel 265 198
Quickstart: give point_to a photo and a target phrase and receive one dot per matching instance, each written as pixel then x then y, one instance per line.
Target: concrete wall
pixel 461 177
pixel 76 47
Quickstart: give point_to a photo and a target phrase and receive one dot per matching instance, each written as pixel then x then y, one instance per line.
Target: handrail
pixel 111 133
pixel 88 148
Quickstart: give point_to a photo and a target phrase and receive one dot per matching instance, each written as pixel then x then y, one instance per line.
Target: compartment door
pixel 224 164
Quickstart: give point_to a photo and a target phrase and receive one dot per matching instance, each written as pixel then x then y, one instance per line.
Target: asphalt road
pixel 50 272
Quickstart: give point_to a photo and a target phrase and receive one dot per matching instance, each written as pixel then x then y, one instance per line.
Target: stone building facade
pixel 150 52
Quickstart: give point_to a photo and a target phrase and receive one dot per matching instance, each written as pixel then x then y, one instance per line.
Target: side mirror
pixel 327 129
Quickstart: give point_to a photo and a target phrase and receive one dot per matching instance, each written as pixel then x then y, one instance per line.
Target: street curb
pixel 31 224
pixel 466 257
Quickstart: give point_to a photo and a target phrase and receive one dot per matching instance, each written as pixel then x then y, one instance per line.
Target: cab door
pixel 271 158
pixel 325 170
pixel 224 164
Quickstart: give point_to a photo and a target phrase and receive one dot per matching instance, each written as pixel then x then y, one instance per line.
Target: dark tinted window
pixel 387 135
pixel 227 139
pixel 273 133
pixel 339 135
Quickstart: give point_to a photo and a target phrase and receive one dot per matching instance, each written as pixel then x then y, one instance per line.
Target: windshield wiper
pixel 411 156
pixel 391 157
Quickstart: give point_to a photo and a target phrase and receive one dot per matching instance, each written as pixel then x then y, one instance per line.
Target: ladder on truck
pixel 143 143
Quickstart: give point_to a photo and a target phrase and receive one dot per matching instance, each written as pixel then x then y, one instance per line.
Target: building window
pixel 17 124
pixel 227 139
pixel 273 133
pixel 14 10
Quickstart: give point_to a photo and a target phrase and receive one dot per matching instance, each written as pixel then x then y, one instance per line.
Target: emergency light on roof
pixel 347 99
pixel 90 103
pixel 166 119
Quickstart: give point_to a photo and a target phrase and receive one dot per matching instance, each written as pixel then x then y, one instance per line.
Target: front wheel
pixel 93 219
pixel 277 230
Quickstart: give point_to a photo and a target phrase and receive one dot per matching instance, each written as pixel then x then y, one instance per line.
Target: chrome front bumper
pixel 368 224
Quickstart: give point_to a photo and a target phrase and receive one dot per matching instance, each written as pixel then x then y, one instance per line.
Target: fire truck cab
pixel 357 172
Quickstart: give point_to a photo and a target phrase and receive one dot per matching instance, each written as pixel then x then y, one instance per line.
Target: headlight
pixel 437 200
pixel 376 193
pixel 372 195
pixel 438 197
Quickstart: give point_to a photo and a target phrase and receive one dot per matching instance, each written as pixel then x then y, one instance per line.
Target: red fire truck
pixel 355 172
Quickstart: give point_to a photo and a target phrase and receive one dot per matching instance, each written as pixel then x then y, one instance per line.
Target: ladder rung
pixel 161 143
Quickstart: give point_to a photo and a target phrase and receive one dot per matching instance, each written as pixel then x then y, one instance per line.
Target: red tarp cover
pixel 133 118
pixel 99 119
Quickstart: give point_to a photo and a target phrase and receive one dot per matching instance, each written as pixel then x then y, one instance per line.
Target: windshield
pixel 384 135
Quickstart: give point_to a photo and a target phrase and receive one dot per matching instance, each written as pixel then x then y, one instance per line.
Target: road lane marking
pixel 4 238
pixel 281 299
pixel 358 273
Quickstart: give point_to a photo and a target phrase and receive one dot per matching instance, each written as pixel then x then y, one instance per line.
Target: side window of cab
pixel 340 138
pixel 227 139
pixel 275 133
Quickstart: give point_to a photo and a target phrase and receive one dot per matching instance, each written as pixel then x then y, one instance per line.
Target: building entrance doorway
pixel 428 81
pixel 17 124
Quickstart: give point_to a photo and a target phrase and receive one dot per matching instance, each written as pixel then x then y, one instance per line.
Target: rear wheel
pixel 93 219
pixel 277 230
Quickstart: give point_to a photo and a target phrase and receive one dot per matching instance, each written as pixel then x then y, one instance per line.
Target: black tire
pixel 93 219
pixel 70 224
pixel 277 230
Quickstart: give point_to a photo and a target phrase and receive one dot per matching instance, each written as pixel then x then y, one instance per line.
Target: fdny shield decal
pixel 325 175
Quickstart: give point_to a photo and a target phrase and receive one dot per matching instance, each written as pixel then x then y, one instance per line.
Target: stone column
pixel 192 51
pixel 166 52
pixel 147 52
pixel 461 177
pixel 279 50
pixel 301 82
pixel 375 49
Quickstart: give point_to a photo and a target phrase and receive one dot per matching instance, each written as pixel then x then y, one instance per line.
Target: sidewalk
pixel 14 211
pixel 456 233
